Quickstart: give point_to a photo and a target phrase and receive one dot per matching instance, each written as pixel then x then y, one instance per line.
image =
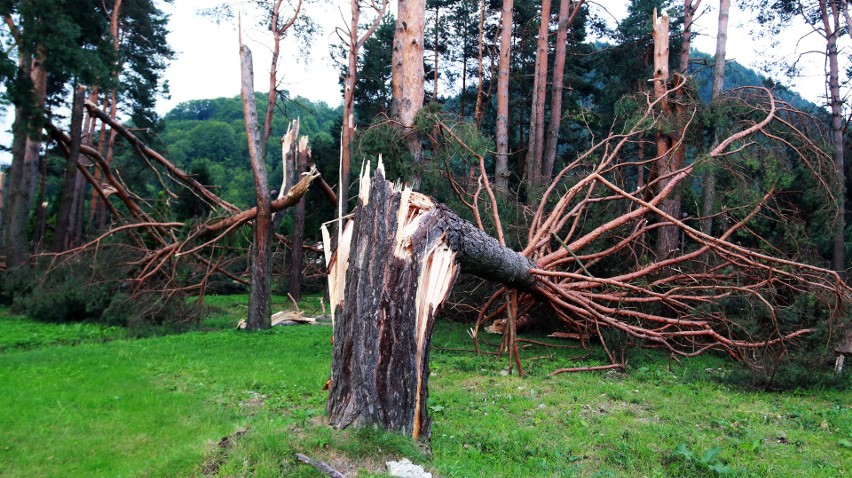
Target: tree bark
pixel 349 82
pixel 435 50
pixel 258 317
pixel 501 172
pixel 708 183
pixel 832 29
pixel 567 14
pixel 536 132
pixel 406 251
pixel 26 149
pixel 667 158
pixel 407 72
pixel 298 237
pixel 477 109
pixel 64 232
pixel 689 9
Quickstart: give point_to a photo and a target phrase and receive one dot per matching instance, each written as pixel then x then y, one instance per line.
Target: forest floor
pixel 86 400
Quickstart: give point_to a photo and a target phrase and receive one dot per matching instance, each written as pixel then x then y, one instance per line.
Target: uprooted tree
pixel 400 254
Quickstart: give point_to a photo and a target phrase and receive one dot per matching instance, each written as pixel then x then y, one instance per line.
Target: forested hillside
pixel 208 137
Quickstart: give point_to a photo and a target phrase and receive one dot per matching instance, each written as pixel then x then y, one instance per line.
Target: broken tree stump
pixel 395 266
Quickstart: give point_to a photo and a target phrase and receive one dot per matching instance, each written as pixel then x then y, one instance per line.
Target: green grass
pixel 82 400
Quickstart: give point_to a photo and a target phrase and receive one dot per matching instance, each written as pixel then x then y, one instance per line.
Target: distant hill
pixel 737 75
pixel 208 138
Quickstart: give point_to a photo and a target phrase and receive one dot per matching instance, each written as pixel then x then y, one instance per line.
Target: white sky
pixel 207 63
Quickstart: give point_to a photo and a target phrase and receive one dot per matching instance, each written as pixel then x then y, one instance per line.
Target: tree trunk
pixel 407 72
pixel 536 133
pixel 708 183
pixel 566 18
pixel 406 251
pixel 349 82
pixel 689 9
pixel 667 158
pixel 436 40
pixel 64 231
pixel 298 237
pixel 831 24
pixel 41 209
pixel 477 110
pixel 258 317
pixel 26 149
pixel 501 172
pixel 2 187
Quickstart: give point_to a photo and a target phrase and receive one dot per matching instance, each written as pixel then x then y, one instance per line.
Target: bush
pixel 93 287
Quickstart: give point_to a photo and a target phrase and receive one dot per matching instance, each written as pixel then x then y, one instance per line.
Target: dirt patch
pixel 212 464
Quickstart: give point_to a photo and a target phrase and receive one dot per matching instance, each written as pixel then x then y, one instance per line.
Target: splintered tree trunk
pixel 298 238
pixel 399 256
pixel 668 158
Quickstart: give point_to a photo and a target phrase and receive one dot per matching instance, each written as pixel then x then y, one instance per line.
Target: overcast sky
pixel 207 56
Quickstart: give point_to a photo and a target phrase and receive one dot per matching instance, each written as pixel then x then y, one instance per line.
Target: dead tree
pixel 303 156
pixel 399 256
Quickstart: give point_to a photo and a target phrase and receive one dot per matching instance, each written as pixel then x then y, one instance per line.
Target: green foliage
pixel 708 461
pixel 212 133
pixel 93 288
pixel 388 140
pixel 373 89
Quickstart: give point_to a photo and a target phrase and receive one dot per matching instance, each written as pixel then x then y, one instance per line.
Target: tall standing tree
pixel 140 52
pixel 55 42
pixel 830 20
pixel 501 173
pixel 353 38
pixel 536 132
pixel 690 7
pixel 408 73
pixel 568 11
pixel 708 182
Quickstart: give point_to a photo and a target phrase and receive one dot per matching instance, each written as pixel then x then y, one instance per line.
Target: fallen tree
pixel 589 259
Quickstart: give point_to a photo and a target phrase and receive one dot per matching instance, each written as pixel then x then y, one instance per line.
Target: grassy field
pixel 83 400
